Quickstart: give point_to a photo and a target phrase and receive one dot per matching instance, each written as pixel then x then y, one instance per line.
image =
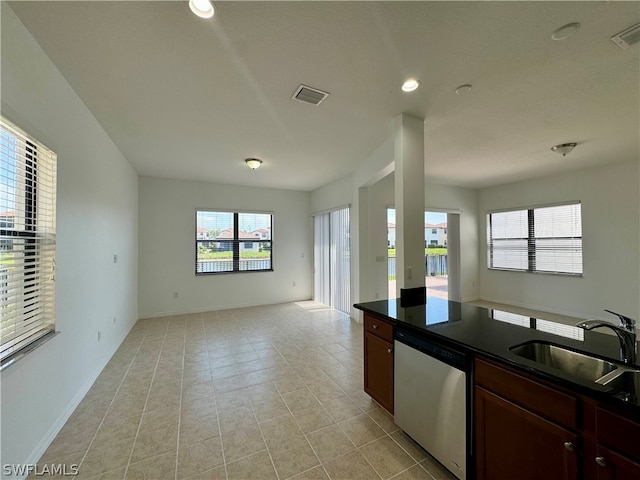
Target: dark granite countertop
pixel 478 330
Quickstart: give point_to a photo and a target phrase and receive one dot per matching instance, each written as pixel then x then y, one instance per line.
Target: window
pixel 27 242
pixel 233 242
pixel 543 239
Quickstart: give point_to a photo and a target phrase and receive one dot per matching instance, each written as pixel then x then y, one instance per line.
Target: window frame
pixel 531 241
pixel 237 243
pixel 29 193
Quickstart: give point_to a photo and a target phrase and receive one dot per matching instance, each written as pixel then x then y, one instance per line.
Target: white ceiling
pixel 188 98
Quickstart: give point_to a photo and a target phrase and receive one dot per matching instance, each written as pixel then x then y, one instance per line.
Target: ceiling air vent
pixel 627 37
pixel 309 95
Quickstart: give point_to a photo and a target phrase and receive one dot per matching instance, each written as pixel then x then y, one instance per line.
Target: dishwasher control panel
pixel 433 349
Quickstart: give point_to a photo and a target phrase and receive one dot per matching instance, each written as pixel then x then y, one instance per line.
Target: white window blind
pixel 332 259
pixel 340 261
pixel 512 318
pixel 542 239
pixel 567 331
pixel 27 240
pixel 321 259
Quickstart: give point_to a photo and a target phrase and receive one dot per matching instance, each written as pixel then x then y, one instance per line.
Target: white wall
pixel 611 243
pixel 380 196
pixel 167 248
pixel 96 218
pixel 333 195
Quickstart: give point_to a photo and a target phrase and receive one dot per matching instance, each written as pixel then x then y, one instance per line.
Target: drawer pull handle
pixel 601 461
pixel 375 326
pixel 568 446
pixel 389 350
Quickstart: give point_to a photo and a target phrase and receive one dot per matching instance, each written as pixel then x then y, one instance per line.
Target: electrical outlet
pixel 99 335
pixel 409 272
pixel 115 258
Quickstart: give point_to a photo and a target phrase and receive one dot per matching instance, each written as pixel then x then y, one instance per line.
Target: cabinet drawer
pixel 545 401
pixel 618 433
pixel 378 327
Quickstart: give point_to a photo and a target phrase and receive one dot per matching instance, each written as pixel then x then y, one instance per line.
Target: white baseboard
pixel 214 308
pixel 64 416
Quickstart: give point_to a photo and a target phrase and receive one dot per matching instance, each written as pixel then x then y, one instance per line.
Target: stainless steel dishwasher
pixel 431 395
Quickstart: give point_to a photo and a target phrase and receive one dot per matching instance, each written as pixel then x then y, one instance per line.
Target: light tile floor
pixel 250 393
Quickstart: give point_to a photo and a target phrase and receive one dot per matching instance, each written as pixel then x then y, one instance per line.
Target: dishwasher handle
pixel 436 350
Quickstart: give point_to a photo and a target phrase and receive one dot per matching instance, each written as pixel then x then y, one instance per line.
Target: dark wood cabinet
pixel 378 361
pixel 527 428
pixel 617 449
pixel 613 466
pixel 512 436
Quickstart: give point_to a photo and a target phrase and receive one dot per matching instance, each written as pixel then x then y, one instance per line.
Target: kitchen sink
pixel 573 363
pixel 627 381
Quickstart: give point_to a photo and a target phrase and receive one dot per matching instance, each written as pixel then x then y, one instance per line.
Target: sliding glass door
pixel 331 258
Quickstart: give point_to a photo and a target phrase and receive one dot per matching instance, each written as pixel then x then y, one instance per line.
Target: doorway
pixel 331 259
pixel 441 248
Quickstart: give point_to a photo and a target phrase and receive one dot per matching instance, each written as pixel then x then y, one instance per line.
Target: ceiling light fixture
pixel 462 89
pixel 201 8
pixel 565 31
pixel 410 85
pixel 253 163
pixel 563 148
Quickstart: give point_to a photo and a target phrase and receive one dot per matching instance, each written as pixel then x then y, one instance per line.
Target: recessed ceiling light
pixel 462 89
pixel 565 31
pixel 201 8
pixel 410 85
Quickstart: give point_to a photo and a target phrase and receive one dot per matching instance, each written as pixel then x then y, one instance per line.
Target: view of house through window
pixel 233 242
pixel 27 241
pixel 436 257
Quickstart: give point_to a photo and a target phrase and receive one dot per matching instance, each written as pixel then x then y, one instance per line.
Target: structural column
pixel 409 201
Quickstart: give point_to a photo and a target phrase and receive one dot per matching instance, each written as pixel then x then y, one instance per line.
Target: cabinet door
pixel 611 466
pixel 378 370
pixel 513 443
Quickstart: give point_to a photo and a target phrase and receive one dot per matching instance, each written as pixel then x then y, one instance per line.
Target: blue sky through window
pixel 8 169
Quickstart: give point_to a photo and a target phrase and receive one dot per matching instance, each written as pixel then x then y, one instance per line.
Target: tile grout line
pixel 356 448
pixel 224 459
pixel 184 349
pixel 237 329
pixel 296 420
pixel 155 368
pixel 290 413
pixel 93 438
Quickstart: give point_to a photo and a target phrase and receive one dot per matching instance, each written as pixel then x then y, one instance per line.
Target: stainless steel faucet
pixel 626 332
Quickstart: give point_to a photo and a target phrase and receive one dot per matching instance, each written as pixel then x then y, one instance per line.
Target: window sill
pixel 20 354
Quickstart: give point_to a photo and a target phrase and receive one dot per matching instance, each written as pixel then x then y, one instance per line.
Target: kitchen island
pixel 527 419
